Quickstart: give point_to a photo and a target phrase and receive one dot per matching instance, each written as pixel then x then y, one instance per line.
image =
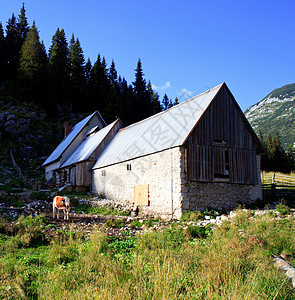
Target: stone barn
pixel 78 165
pixel 73 138
pixel 199 154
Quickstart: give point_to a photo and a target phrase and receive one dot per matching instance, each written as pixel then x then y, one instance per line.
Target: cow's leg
pixel 53 211
pixel 57 213
pixel 64 213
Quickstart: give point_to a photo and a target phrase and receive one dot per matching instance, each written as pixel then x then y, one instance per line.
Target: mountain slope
pixel 275 112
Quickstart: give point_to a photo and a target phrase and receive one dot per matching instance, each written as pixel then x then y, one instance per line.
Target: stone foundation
pixel 220 196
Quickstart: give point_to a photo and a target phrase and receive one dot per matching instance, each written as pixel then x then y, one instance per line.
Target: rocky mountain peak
pixel 275 112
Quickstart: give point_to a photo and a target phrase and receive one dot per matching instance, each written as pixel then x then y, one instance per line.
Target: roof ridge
pixel 173 107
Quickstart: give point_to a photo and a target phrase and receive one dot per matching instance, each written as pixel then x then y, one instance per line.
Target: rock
pixel 290 271
pixel 16 126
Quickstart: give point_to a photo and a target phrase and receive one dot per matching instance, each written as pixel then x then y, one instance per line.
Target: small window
pixel 220 143
pixel 103 173
pixel 128 167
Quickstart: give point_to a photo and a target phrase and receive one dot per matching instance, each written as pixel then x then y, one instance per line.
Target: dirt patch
pixel 78 222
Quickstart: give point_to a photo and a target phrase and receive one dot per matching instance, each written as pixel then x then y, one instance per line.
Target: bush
pixel 16 201
pixel 192 215
pixel 3 225
pixel 29 231
pixel 282 209
pixel 40 196
pixel 135 223
pixel 115 223
pixel 198 231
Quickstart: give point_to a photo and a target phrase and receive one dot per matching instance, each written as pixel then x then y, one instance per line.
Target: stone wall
pixel 199 195
pixel 170 193
pixel 161 171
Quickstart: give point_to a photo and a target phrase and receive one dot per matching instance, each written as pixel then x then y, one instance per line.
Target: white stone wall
pixel 161 171
pixel 199 196
pixel 170 194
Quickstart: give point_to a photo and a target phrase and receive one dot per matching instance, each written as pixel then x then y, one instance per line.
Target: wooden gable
pixel 222 147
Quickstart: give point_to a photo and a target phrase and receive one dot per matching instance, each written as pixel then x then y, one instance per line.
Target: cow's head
pixel 66 201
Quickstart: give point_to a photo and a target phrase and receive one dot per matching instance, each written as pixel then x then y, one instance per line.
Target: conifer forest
pixel 61 79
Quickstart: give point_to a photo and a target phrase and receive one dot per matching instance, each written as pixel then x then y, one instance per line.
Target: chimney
pixel 68 128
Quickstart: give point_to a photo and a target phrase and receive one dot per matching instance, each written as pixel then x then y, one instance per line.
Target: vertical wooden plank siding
pixel 222 129
pixel 83 176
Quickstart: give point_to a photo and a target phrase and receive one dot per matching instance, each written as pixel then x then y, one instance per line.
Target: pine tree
pixel 58 67
pixel 32 65
pixel 22 26
pixel 144 105
pixel 113 73
pixel 32 55
pixel 59 55
pixel 98 87
pixel 176 101
pixel 11 48
pixel 128 101
pixel 139 83
pixel 77 62
pixel 77 74
pixel 88 67
pixel 1 38
pixel 166 102
pixel 260 136
pixel 2 56
pixel 154 99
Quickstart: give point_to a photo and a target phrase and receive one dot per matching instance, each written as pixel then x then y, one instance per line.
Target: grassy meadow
pixel 233 261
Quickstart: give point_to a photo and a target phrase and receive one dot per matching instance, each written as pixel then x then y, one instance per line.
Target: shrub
pixel 16 201
pixel 3 225
pixel 192 215
pixel 29 231
pixel 150 222
pixel 282 209
pixel 40 196
pixel 115 223
pixel 135 223
pixel 198 231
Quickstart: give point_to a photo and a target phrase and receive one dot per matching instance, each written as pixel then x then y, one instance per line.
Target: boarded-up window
pixel 200 163
pixel 215 164
pixel 221 164
pixel 141 195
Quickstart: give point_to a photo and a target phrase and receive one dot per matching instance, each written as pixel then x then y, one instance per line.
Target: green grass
pixel 233 261
pixel 97 210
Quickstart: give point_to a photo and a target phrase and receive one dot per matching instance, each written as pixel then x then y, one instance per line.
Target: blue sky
pixel 186 47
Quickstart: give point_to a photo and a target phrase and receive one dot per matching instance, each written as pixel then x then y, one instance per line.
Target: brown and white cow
pixel 61 203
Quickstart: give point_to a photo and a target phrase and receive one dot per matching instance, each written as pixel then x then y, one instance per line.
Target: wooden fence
pixel 278 179
pixel 278 185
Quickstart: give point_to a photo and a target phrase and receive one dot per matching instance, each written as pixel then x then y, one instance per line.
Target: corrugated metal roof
pixel 86 148
pixel 68 139
pixel 156 133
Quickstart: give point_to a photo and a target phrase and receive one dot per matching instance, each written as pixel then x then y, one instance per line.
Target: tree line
pixel 63 80
pixel 275 158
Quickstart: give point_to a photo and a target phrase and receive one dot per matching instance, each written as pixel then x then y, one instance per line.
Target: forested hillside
pixel 275 112
pixel 61 80
pixel 273 120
